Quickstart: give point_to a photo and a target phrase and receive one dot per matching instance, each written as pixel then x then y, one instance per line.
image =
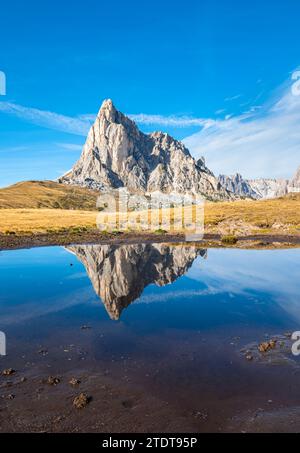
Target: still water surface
pixel 172 321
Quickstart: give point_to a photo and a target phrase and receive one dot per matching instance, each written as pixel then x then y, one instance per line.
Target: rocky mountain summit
pixel 120 274
pixel 262 188
pixel 117 154
pixel 294 184
pixel 237 185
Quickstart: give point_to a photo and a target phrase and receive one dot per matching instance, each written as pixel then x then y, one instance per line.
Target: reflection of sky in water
pixel 40 281
pixel 230 286
pixel 273 272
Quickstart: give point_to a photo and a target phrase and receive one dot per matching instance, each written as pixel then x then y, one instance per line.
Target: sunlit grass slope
pixel 241 217
pixel 47 194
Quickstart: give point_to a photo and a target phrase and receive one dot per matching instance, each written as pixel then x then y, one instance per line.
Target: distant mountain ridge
pixel 262 188
pixel 117 154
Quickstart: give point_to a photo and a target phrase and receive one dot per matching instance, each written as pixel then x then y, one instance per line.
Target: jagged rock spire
pixel 117 154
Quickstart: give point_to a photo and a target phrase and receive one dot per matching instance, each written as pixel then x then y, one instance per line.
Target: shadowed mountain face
pixel 119 274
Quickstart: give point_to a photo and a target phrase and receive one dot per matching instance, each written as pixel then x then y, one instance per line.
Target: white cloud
pixel 14 149
pixel 160 120
pixel 233 98
pixel 69 146
pixel 80 125
pixel 51 120
pixel 264 142
pixel 175 121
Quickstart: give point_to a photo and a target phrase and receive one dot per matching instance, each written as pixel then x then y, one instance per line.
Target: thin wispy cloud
pixel 167 121
pixel 13 149
pixel 51 120
pixel 81 124
pixel 233 98
pixel 69 146
pixel 159 120
pixel 263 142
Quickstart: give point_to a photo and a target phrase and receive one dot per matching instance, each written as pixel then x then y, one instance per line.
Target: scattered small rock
pixel 81 401
pixel 8 372
pixel 74 382
pixel 200 415
pixel 43 352
pixel 58 419
pixel 11 397
pixel 249 357
pixel 23 379
pixel 127 404
pixel 85 327
pixel 267 346
pixel 53 380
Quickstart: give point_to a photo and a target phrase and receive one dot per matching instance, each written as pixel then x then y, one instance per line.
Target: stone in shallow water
pixel 53 380
pixel 74 382
pixel 8 372
pixel 81 401
pixel 267 346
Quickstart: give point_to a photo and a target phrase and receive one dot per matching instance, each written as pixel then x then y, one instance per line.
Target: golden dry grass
pixel 44 220
pixel 47 194
pixel 263 214
pixel 278 216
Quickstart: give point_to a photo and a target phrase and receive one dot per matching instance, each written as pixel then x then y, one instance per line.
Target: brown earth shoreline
pixel 21 241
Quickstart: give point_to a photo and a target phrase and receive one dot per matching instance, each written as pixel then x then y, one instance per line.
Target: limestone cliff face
pixel 262 188
pixel 117 154
pixel 269 188
pixel 119 274
pixel 237 185
pixel 294 185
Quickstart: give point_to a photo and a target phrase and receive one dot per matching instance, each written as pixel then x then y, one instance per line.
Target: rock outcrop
pixel 238 186
pixel 117 154
pixel 294 185
pixel 119 274
pixel 262 188
pixel 269 188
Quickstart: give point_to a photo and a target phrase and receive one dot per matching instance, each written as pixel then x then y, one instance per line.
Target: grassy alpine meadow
pixel 24 221
pixel 278 216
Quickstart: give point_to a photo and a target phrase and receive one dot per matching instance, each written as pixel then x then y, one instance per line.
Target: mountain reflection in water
pixel 119 274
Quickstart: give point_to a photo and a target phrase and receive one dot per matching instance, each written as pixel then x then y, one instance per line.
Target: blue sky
pixel 199 70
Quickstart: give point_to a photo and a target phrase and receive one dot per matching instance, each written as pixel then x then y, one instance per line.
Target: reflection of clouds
pixel 16 313
pixel 173 295
pixel 77 276
pixel 275 272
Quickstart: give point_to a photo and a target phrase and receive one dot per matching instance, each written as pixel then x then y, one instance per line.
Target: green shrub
pixel 10 233
pixel 160 231
pixel 229 239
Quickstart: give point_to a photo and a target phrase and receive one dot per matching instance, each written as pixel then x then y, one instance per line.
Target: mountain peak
pixel 108 110
pixel 117 154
